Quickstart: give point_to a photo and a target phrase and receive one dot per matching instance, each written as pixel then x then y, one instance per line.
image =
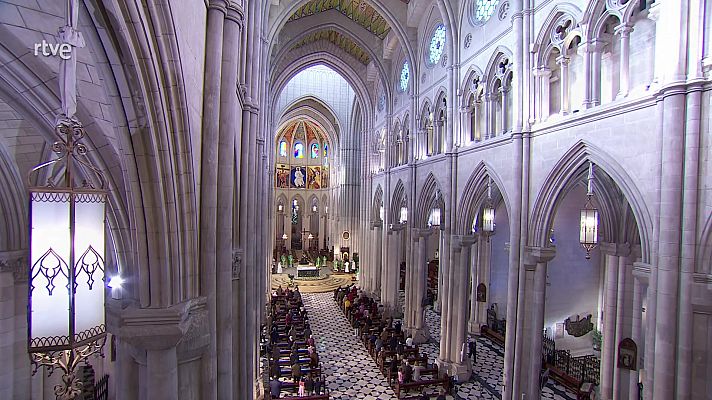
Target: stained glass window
pixel 437 44
pixel 326 150
pixel 314 150
pixel 283 148
pixel 405 76
pixel 484 9
pixel 298 150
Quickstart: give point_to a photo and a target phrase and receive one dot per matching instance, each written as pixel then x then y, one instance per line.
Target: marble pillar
pixel 539 257
pixel 624 30
pixel 419 330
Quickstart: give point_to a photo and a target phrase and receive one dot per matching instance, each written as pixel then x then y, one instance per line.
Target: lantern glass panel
pixel 89 264
pixel 434 217
pixel 381 213
pixel 49 267
pixel 589 226
pixel 488 219
pixel 403 215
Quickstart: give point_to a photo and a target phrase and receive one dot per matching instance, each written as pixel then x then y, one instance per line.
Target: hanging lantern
pixel 589 219
pixel 434 219
pixel 284 236
pixel 488 211
pixel 66 272
pixel 381 213
pixel 403 215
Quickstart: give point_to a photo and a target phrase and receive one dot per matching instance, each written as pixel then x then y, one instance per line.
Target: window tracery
pixel 437 44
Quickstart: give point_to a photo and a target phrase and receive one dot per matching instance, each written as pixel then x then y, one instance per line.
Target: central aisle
pixel 349 371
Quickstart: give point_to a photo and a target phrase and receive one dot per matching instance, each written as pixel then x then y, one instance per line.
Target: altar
pixel 307 271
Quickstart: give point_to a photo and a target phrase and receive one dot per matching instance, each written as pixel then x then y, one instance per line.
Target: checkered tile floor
pixel 351 373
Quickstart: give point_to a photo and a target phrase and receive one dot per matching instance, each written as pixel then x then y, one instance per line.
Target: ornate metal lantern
pixel 589 219
pixel 488 211
pixel 67 244
pixel 403 215
pixel 434 219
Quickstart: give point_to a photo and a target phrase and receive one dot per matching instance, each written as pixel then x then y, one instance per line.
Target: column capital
pixel 220 5
pixel 421 232
pixel 15 262
pixel 463 240
pixel 235 13
pixel 623 29
pixel 563 60
pixel 536 255
pixel 615 249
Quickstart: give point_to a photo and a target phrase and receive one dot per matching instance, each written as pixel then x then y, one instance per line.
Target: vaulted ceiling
pixel 357 10
pixel 344 42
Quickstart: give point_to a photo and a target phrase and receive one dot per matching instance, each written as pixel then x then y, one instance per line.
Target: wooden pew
pixel 444 382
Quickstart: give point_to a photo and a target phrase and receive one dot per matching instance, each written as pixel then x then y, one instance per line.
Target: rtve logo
pixel 63 50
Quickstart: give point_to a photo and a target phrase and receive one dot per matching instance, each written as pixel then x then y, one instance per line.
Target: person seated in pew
pixel 307 331
pixel 317 385
pixel 274 369
pixel 397 327
pixel 417 368
pixel 407 372
pixel 309 385
pixel 301 388
pixel 379 344
pixel 441 396
pixel 313 360
pixel 310 341
pixel 274 335
pixel 275 388
pixel 296 372
pixel 280 291
pixel 292 331
pixel 384 334
pixel 294 357
pixel 393 342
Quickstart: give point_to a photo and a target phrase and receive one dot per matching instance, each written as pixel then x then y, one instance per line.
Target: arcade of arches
pixel 533 177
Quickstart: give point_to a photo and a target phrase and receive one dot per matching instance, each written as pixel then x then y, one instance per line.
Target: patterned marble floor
pixel 352 374
pixel 349 371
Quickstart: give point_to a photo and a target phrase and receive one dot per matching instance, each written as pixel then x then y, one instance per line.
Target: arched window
pixel 404 76
pixel 314 153
pixel 437 44
pixel 299 150
pixel 283 148
pixel 484 10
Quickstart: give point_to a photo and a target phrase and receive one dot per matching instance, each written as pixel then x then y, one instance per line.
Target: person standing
pixel 275 388
pixel 472 350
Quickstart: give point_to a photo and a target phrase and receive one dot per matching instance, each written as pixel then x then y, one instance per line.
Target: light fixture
pixel 280 207
pixel 310 236
pixel 115 282
pixel 403 215
pixel 381 213
pixel 284 236
pixel 434 219
pixel 488 211
pixel 326 209
pixel 314 208
pixel 589 218
pixel 67 244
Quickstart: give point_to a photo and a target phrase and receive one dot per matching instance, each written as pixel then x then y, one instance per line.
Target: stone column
pixel 475 279
pixel 489 117
pixel 563 62
pixel 612 253
pixel 229 121
pixel 624 30
pixel 209 189
pixel 287 220
pixel 539 257
pixel 544 74
pixel 418 287
pixel 620 323
pixel 597 48
pixel 504 93
pixel 377 258
pixel 636 333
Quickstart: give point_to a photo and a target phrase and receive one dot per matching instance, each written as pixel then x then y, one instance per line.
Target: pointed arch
pixel 474 195
pixel 376 205
pixel 565 171
pixel 398 198
pixel 471 75
pixel 430 197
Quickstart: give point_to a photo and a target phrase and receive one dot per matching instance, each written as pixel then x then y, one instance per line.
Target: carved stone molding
pixel 236 264
pixel 15 262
